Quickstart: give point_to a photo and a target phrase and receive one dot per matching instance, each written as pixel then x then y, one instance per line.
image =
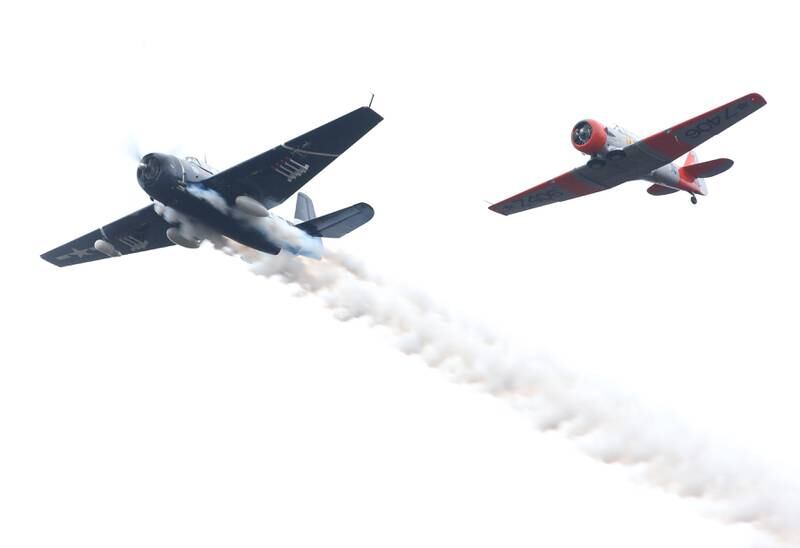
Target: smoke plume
pixel 608 427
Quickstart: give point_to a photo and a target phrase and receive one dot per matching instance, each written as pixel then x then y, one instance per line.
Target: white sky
pixel 172 398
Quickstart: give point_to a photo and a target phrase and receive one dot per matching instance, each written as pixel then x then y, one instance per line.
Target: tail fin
pixel 338 223
pixel 304 210
pixel 687 172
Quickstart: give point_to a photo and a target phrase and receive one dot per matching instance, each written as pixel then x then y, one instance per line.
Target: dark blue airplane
pixel 190 200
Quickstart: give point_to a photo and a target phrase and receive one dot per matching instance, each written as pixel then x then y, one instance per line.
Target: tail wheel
pixel 694 199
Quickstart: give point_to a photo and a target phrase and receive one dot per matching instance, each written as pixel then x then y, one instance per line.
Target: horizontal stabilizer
pixel 339 223
pixel 661 190
pixel 706 169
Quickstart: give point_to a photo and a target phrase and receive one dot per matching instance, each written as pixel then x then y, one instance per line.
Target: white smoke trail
pixel 609 428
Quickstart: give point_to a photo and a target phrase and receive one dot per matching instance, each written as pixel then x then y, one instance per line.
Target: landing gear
pixel 615 155
pixel 694 199
pixel 596 163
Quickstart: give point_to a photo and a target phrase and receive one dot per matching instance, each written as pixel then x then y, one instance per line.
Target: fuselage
pixel 666 175
pixel 606 144
pixel 179 184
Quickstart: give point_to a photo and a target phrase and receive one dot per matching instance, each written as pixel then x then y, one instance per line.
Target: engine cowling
pixel 590 137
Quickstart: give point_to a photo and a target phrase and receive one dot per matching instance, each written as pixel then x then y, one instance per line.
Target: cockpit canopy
pixel 202 165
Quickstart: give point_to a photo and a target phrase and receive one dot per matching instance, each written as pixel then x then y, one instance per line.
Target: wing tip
pixel 369 110
pixel 757 98
pixel 49 258
pixel 498 209
pixel 367 209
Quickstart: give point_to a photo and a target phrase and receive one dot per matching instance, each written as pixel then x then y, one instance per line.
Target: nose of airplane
pixel 149 169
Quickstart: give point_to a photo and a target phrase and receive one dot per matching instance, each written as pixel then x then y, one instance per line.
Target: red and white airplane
pixel 617 157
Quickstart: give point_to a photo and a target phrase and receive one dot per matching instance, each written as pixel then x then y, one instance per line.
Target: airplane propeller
pixel 134 151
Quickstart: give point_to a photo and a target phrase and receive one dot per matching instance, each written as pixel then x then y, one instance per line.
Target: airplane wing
pixel 640 158
pixel 271 177
pixel 671 144
pixel 564 187
pixel 140 231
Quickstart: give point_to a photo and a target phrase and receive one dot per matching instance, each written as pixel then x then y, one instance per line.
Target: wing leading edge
pixel 142 230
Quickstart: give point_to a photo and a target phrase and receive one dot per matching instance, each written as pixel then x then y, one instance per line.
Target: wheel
pixel 694 199
pixel 615 155
pixel 595 163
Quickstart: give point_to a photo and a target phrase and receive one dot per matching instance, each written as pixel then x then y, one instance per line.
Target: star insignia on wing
pixel 77 253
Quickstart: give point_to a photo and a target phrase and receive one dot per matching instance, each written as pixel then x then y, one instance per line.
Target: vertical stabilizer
pixel 304 210
pixel 699 182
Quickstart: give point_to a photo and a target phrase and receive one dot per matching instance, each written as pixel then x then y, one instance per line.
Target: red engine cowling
pixel 589 137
